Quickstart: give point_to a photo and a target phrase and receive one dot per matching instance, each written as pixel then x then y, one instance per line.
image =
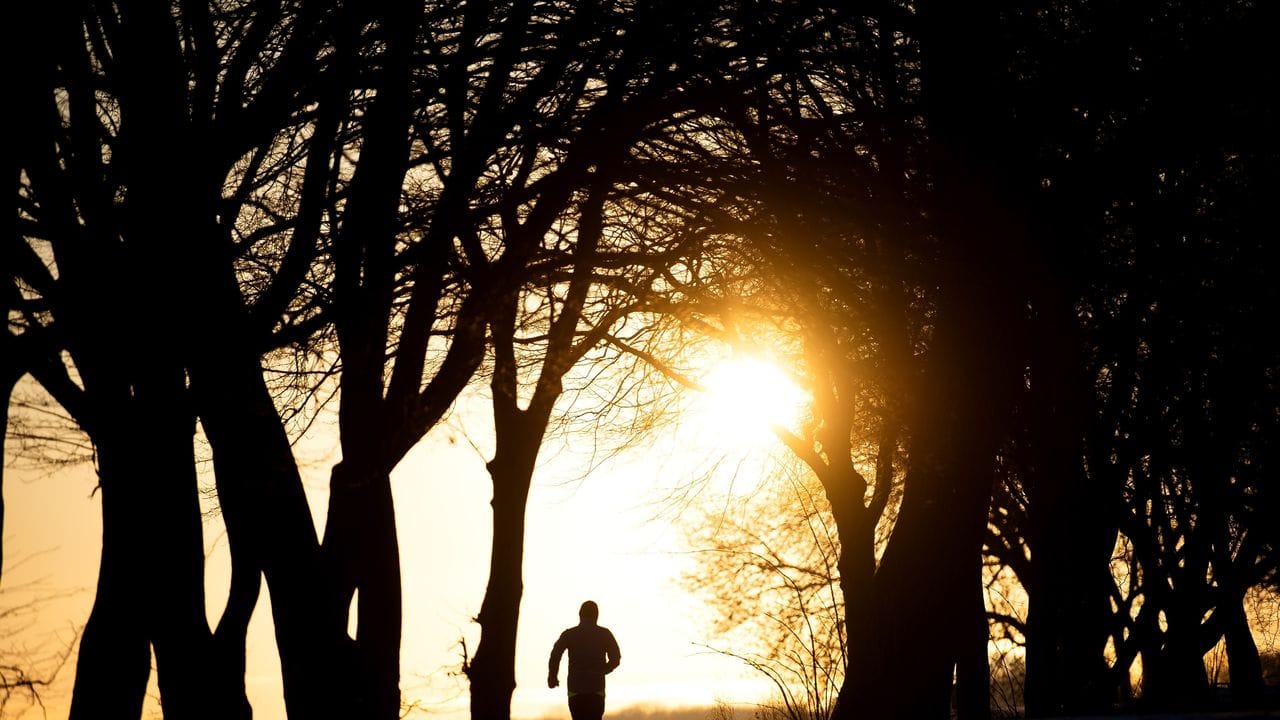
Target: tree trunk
pixel 857 566
pixel 162 446
pixel 1068 625
pixel 360 544
pixel 229 639
pixel 154 127
pixel 1175 678
pixel 361 549
pixel 960 405
pixel 973 663
pixel 1072 529
pixel 1173 673
pixel 1242 653
pixel 267 516
pixel 114 661
pixel 927 569
pixel 492 671
pixel 925 584
pixel 151 578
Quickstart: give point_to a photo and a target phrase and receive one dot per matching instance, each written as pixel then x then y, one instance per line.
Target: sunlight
pixel 747 396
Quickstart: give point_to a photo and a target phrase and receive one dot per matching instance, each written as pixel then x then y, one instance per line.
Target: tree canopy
pixel 1016 257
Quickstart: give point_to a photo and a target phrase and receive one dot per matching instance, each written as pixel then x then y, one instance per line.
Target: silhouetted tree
pixel 1105 142
pixel 564 213
pixel 766 563
pixel 230 110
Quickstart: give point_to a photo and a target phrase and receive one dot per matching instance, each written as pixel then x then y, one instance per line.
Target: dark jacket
pixel 593 653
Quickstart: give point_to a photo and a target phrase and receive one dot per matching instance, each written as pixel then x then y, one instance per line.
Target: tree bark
pixel 267 516
pixel 1174 678
pixel 360 545
pixel 1242 653
pixel 1173 672
pixel 230 636
pixel 857 566
pixel 961 402
pixel 1072 529
pixel 928 568
pixel 114 661
pixel 362 551
pixel 973 663
pixel 161 445
pixel 857 581
pixel 492 670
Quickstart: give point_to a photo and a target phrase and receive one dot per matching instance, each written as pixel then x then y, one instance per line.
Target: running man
pixel 593 653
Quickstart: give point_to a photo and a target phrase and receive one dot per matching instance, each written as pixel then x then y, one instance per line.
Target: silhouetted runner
pixel 593 653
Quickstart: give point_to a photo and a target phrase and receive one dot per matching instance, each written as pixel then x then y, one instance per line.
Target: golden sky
pixel 608 537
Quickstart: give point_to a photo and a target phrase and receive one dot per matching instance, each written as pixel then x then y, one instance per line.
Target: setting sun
pixel 747 396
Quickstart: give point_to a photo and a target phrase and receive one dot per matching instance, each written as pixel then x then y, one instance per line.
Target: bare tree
pixel 767 562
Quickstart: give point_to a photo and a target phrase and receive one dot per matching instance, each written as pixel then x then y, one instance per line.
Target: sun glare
pixel 747 396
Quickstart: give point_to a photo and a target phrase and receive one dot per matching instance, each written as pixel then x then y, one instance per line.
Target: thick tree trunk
pixel 1072 529
pixel 1242 653
pixel 857 577
pixel 927 571
pixel 960 409
pixel 154 126
pixel 1068 625
pixel 268 519
pixel 922 609
pixel 161 446
pixel 114 661
pixel 360 544
pixel 492 671
pixel 151 579
pixel 973 663
pixel 361 548
pixel 857 566
pixel 1173 672
pixel 1175 678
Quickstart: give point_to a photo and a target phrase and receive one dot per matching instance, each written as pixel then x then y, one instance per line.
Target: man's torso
pixel 589 647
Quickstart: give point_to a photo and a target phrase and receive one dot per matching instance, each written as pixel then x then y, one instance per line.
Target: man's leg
pixel 587 706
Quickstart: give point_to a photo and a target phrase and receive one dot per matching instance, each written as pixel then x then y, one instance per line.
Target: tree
pixel 564 212
pixel 766 561
pixel 241 76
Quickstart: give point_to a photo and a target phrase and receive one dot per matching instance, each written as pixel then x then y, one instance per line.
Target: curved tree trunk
pixel 230 637
pixel 1173 672
pixel 267 516
pixel 961 402
pixel 929 567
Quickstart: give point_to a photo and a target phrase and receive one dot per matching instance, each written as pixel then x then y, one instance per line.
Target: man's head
pixel 589 613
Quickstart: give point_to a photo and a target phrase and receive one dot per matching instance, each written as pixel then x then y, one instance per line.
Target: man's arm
pixel 553 665
pixel 612 656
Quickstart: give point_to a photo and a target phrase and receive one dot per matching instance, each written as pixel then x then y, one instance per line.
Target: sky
pixel 613 536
